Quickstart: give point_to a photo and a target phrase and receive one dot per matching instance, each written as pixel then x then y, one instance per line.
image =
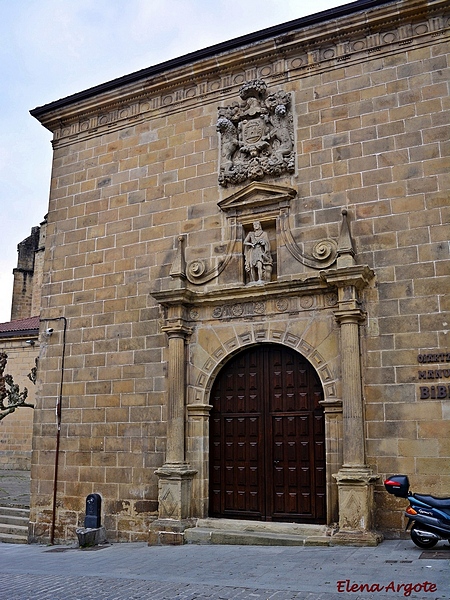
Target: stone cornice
pixel 357 275
pixel 300 53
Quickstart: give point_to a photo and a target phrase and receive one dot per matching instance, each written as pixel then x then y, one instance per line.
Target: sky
pixel 50 49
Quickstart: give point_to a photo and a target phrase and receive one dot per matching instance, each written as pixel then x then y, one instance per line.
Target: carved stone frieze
pixel 239 310
pixel 256 135
pixel 301 57
pixel 291 304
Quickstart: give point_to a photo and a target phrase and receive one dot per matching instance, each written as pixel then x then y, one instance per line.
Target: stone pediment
pixel 257 197
pixel 266 208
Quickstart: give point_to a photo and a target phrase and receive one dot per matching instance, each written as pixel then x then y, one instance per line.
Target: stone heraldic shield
pixel 256 135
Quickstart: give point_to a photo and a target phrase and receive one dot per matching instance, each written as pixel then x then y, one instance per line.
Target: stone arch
pixel 205 366
pixel 205 373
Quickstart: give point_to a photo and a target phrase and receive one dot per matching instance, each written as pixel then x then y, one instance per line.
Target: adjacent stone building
pixel 246 273
pixel 19 340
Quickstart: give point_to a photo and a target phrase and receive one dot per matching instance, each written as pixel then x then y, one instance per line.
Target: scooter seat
pixel 434 502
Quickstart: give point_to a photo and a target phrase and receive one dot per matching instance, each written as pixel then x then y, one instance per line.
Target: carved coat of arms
pixel 256 135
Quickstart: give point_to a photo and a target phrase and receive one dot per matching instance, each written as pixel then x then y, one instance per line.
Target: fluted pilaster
pixel 352 403
pixel 176 399
pixel 175 475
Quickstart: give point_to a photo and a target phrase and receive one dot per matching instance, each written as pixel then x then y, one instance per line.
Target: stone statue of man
pixel 258 260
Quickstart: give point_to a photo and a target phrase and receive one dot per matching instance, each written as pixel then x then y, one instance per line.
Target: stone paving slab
pixel 137 571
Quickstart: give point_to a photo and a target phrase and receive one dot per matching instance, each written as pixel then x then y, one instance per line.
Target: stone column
pixel 333 449
pixel 355 479
pixel 175 476
pixel 352 409
pixel 197 451
pixel 175 456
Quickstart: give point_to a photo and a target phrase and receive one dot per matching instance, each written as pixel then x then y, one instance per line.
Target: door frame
pixel 201 376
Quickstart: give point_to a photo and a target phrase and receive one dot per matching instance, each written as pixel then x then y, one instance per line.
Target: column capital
pixel 176 329
pixel 176 323
pixel 199 410
pixel 331 406
pixel 350 315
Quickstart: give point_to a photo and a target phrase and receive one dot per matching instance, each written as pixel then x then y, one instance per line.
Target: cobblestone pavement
pixel 395 569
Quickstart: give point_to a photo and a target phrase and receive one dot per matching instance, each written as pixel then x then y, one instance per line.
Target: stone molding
pixel 323 288
pixel 305 52
pixel 358 276
pixel 253 335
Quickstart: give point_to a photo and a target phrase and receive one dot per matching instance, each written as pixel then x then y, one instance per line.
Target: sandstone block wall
pixel 16 429
pixel 371 137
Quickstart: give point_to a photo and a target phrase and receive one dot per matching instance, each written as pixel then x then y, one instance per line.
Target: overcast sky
pixel 50 49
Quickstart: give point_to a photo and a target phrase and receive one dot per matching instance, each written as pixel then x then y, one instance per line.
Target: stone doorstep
pixel 240 532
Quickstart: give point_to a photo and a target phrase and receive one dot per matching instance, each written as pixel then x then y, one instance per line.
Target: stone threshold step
pixel 242 532
pixel 12 520
pixel 14 529
pixel 201 535
pixel 8 538
pixel 304 529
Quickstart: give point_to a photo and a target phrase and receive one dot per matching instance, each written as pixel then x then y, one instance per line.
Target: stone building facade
pixel 246 271
pixel 26 296
pixel 19 340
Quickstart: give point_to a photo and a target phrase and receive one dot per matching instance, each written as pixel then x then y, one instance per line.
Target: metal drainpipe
pixel 58 422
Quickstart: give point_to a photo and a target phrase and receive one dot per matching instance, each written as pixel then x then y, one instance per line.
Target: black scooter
pixel 430 516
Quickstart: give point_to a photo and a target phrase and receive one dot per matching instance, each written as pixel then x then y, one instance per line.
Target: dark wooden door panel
pixel 267 442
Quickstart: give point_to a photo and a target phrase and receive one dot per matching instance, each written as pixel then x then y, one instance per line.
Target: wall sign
pixel 438 390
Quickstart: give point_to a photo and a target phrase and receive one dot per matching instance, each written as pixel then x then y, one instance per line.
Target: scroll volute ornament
pixel 265 204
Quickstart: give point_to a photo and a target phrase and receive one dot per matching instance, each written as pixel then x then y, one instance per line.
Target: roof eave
pixel 205 53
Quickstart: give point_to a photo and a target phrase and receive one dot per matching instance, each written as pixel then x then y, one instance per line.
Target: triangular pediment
pixel 257 196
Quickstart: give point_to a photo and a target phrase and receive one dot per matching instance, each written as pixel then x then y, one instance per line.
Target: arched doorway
pixel 267 438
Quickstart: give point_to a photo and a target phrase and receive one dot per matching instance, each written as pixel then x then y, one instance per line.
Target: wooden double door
pixel 267 438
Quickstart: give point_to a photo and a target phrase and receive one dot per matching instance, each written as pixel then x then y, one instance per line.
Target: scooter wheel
pixel 422 540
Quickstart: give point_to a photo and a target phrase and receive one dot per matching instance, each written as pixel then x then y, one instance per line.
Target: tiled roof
pixel 21 325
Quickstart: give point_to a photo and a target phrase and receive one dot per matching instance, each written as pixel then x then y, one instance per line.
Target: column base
pixel 168 532
pixel 356 538
pixel 174 491
pixel 355 489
